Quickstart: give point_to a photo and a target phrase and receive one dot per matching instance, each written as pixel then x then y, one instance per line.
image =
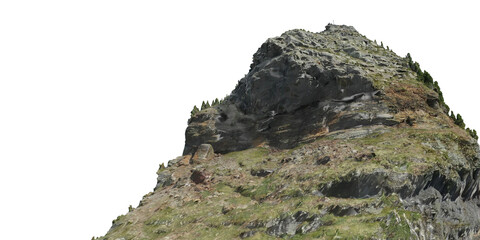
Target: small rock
pixel 314 223
pixel 255 224
pixel 340 211
pixel 247 234
pixel 185 161
pixel 323 161
pixel 261 172
pixel 286 160
pixel 287 225
pixel 410 121
pixel 164 179
pixel 174 161
pixel 364 156
pixel 197 177
pixel 226 209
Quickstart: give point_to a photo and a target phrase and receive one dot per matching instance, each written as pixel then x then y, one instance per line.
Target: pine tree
pixel 204 106
pixel 459 121
pixel 427 79
pixel 409 60
pixel 194 111
pixel 207 105
pixel 381 44
pixel 472 133
pixel 419 72
pixel 452 116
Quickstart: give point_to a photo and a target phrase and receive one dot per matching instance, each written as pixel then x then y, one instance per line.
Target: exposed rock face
pixel 328 136
pixel 298 87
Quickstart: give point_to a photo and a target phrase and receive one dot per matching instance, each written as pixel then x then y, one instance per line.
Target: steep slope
pixel 329 135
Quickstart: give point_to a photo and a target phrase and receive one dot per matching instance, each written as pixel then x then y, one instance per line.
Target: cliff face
pixel 329 135
pixel 302 85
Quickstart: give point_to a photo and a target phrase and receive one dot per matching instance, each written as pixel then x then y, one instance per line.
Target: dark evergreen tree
pixel 427 79
pixel 204 106
pixel 472 133
pixel 194 111
pixel 409 60
pixel 215 102
pixel 459 121
pixel 415 66
pixel 207 105
pixel 452 116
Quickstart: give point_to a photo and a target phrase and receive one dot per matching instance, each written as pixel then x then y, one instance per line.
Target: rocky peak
pixel 301 85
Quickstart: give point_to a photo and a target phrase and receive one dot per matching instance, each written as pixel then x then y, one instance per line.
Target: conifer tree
pixel 427 79
pixel 459 121
pixel 204 106
pixel 452 116
pixel 410 61
pixel 207 105
pixel 194 111
pixel 472 133
pixel 419 72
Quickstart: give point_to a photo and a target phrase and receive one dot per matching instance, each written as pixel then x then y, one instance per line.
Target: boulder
pixel 164 179
pixel 204 153
pixel 198 177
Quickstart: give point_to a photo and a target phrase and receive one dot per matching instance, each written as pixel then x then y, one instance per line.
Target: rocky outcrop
pixel 301 85
pixel 300 222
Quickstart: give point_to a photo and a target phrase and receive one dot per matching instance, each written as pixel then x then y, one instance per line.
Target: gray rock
pixel 342 211
pixel 323 160
pixel 247 234
pixel 261 172
pixel 204 152
pixel 174 161
pixel 284 226
pixel 164 179
pixel 290 225
pixel 313 224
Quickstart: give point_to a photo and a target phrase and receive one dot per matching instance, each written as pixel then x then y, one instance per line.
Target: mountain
pixel 329 136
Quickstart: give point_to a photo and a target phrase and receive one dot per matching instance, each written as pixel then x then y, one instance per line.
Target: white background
pixel 95 94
